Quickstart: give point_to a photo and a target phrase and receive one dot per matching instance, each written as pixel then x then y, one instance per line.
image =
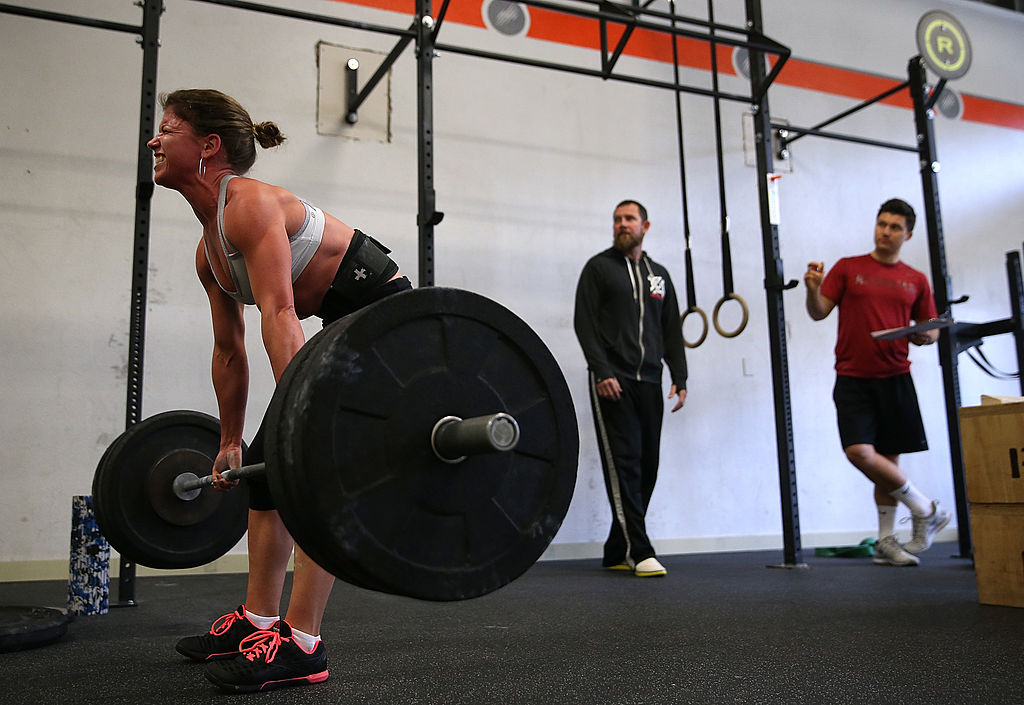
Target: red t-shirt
pixel 873 296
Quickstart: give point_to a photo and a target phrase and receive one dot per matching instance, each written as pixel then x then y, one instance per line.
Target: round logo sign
pixel 943 44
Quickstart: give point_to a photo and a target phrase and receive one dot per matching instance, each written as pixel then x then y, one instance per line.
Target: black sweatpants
pixel 629 441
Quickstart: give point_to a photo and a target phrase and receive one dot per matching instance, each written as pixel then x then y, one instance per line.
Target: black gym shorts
pixel 883 413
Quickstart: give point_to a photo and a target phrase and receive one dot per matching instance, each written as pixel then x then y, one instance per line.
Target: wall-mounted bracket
pixel 343 110
pixel 355 97
pixel 352 91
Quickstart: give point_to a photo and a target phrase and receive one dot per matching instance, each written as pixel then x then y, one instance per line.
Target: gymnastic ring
pixel 743 323
pixel 704 320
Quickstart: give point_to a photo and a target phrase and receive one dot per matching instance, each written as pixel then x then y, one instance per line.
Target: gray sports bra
pixel 304 244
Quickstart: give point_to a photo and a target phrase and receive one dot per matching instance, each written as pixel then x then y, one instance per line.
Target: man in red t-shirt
pixel 876 404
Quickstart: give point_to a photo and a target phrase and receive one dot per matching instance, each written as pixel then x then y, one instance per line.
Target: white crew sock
pixel 307 642
pixel 886 520
pixel 261 622
pixel 920 506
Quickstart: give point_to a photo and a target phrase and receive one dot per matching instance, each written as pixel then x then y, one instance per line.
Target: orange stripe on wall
pixel 562 28
pixel 993 112
pixel 458 11
pixel 838 81
pixel 548 25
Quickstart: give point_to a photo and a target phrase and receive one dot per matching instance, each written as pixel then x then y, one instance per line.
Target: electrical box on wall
pixel 332 107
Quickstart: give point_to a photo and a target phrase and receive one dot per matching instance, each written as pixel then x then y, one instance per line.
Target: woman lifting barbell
pixel 261 245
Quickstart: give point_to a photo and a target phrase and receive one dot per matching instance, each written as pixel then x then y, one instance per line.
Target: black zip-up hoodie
pixel 627 319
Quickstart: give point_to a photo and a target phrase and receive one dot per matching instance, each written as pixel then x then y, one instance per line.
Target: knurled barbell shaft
pixel 452 439
pixel 187 485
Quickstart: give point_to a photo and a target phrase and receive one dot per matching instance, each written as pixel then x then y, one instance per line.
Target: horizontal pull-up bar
pixel 616 13
pixel 838 136
pixel 69 19
pixel 536 63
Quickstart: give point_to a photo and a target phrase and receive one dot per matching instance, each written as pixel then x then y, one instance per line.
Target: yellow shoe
pixel 649 568
pixel 619 566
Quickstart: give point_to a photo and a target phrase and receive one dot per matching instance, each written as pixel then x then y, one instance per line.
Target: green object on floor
pixel 865 549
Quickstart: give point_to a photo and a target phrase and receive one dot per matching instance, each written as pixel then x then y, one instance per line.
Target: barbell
pixel 452 439
pixel 425 445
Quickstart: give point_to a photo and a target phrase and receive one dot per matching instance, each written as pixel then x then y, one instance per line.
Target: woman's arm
pixel 254 222
pixel 230 367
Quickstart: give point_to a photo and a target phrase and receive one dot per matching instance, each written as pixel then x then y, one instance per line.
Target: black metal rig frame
pixel 959 337
pixel 424 30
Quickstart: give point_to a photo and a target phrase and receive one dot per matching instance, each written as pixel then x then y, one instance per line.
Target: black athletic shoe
pixel 222 641
pixel 269 659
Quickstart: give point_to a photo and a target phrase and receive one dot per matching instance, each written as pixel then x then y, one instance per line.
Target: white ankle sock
pixel 920 505
pixel 306 641
pixel 261 622
pixel 886 520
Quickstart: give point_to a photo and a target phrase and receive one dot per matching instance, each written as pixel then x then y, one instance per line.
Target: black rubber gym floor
pixel 720 628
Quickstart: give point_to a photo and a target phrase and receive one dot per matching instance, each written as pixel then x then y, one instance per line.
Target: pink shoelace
pixel 224 623
pixel 261 644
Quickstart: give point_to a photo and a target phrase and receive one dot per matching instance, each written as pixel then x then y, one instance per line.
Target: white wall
pixel 529 164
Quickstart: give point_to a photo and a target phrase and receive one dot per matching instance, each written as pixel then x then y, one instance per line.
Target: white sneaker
pixel 889 552
pixel 649 568
pixel 925 529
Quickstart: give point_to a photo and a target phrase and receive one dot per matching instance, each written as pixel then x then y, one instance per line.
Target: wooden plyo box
pixel 997 531
pixel 993 444
pixel 993 439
